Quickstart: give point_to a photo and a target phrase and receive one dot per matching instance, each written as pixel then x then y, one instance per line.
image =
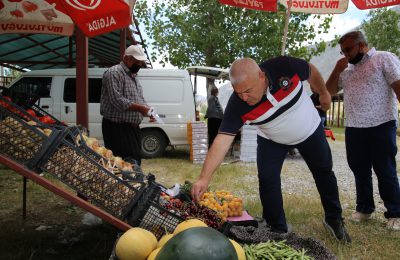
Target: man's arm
pixel 143 109
pixel 215 156
pixel 318 84
pixel 332 83
pixel 396 88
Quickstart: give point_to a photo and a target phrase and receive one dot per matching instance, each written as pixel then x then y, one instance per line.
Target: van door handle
pixel 45 107
pixel 66 109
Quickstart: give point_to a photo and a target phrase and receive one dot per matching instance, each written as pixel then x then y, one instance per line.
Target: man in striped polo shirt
pixel 271 96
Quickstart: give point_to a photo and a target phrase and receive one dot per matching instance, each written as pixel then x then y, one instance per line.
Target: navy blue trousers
pixel 374 148
pixel 317 154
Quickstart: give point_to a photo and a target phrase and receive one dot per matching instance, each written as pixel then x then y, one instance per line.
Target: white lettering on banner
pixel 250 3
pixel 372 3
pixel 101 23
pixel 30 28
pixel 315 4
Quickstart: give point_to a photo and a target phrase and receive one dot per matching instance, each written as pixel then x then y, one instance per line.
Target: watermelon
pixel 198 243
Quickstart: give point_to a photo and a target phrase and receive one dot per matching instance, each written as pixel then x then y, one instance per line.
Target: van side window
pixel 32 86
pixel 94 90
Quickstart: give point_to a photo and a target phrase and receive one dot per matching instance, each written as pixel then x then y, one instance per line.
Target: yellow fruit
pixel 153 254
pixel 164 240
pixel 239 250
pixel 189 224
pixel 136 243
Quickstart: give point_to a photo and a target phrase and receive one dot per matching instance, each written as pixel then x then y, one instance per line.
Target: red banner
pixel 263 5
pixel 96 17
pixel 317 6
pixel 93 17
pixel 370 4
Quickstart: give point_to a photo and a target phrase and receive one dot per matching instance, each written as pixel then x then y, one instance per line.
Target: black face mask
pixel 135 68
pixel 357 58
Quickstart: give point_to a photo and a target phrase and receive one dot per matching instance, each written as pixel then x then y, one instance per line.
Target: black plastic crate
pixel 41 112
pixel 150 215
pixel 22 102
pixel 77 136
pixel 88 178
pixel 23 142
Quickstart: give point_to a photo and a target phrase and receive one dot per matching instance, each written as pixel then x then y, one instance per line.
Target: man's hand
pixel 142 109
pixel 341 65
pixel 198 188
pixel 325 100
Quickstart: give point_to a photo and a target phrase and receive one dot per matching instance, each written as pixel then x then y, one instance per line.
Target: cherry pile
pixel 188 210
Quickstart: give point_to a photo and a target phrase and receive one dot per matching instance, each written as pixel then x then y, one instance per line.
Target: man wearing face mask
pixel 122 105
pixel 370 80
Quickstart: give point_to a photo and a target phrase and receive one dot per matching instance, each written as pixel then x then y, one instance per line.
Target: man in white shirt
pixel 370 80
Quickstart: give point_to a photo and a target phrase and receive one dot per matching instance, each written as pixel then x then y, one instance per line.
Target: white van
pixel 170 92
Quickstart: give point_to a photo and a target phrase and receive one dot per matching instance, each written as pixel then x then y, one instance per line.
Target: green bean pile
pixel 273 250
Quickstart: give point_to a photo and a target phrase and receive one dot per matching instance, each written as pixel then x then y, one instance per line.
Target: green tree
pixel 383 30
pixel 205 32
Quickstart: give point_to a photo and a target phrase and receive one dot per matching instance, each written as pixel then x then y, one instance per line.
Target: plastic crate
pixel 66 161
pixel 77 134
pixel 41 112
pixel 150 215
pixel 19 140
pixel 24 100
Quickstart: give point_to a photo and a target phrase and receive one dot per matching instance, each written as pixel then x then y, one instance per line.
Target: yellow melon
pixel 153 254
pixel 135 244
pixel 189 224
pixel 239 250
pixel 164 240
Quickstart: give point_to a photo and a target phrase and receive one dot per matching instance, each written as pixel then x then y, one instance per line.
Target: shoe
pixel 359 216
pixel 393 224
pixel 289 229
pixel 337 230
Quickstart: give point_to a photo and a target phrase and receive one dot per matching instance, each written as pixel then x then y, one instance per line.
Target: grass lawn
pixel 67 238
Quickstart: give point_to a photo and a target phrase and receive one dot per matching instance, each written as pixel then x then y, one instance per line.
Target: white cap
pixel 137 52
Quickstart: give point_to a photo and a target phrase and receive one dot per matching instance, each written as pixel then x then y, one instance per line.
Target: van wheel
pixel 153 143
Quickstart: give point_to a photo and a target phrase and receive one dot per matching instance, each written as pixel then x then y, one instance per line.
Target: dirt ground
pixel 51 230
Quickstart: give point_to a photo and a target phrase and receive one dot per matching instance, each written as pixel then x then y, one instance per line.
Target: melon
pixel 164 240
pixel 198 243
pixel 190 223
pixel 135 244
pixel 153 254
pixel 239 250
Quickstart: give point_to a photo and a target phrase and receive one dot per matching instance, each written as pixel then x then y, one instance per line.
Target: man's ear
pixel 261 76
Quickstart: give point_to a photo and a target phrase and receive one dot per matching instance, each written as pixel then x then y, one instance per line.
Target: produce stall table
pixel 121 225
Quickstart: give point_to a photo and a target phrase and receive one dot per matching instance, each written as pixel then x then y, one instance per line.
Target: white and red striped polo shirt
pixel 285 113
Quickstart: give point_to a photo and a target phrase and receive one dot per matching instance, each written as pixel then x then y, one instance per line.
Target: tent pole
pixel 285 31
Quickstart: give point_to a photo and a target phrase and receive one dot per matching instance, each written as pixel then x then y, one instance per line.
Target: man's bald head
pixel 242 69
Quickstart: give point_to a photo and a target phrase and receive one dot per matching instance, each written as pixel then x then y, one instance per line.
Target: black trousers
pixel 374 148
pixel 213 127
pixel 317 154
pixel 123 139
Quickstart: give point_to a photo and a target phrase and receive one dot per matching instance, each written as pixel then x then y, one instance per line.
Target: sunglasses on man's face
pixel 347 50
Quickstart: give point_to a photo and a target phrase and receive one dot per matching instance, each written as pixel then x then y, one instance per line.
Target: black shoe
pixel 279 231
pixel 337 230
